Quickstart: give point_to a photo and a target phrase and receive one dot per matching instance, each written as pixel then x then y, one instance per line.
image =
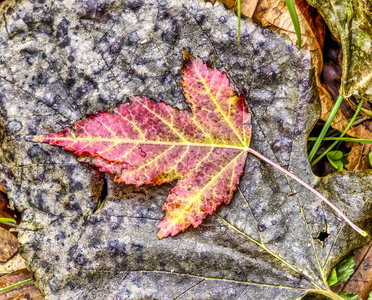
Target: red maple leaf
pixel 147 142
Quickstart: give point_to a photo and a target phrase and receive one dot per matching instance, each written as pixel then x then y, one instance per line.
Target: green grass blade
pixel 10 220
pixel 239 18
pixel 345 131
pixel 15 285
pixel 293 13
pixel 325 128
pixel 353 140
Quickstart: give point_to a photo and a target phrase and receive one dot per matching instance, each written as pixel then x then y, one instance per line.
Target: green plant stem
pixel 364 141
pixel 293 13
pixel 239 18
pixel 345 131
pixel 310 188
pixel 15 285
pixel 325 128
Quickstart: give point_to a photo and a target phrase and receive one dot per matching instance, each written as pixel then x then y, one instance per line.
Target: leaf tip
pixel 167 228
pixel 162 233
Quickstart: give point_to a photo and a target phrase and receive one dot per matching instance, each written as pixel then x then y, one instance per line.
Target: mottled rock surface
pixel 62 59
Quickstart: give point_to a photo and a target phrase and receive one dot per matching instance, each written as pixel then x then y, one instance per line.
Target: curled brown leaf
pixel 358 156
pixel 8 245
pixel 25 291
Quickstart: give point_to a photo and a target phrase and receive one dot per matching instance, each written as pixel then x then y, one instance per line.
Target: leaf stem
pixel 343 133
pixel 341 214
pixel 325 127
pixel 15 285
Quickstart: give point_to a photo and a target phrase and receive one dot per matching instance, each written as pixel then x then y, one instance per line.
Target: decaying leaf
pixel 15 263
pixel 63 59
pixel 274 14
pixel 149 142
pixel 25 291
pixel 312 31
pixel 312 26
pixel 247 7
pixel 8 245
pixel 350 22
pixel 359 154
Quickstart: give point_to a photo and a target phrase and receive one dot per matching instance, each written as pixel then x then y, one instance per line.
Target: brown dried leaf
pixel 231 4
pixel 248 7
pixel 15 263
pixel 8 245
pixel 261 8
pixel 26 291
pixel 358 156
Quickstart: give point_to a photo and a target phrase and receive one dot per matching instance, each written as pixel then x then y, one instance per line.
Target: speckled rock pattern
pixel 62 59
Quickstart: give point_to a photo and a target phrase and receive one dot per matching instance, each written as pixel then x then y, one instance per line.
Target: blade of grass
pixel 293 13
pixel 346 129
pixel 9 224
pixel 325 128
pixel 15 285
pixel 239 18
pixel 364 141
pixel 7 220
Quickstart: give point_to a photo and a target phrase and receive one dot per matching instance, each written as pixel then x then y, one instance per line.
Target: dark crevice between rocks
pixel 104 193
